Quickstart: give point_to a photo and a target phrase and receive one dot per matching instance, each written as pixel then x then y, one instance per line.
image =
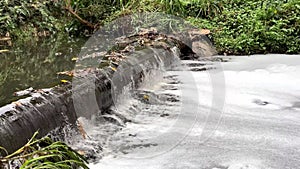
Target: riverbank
pixel 272 27
pixel 236 27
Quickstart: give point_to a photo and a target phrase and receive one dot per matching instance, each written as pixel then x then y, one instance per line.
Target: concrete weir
pixel 49 109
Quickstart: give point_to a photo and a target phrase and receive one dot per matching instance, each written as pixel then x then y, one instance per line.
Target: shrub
pixel 258 27
pixel 29 15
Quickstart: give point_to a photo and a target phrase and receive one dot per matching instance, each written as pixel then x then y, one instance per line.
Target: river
pixel 240 114
pixel 35 63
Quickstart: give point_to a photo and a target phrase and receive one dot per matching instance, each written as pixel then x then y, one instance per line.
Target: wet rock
pixel 147 97
pixel 260 102
pixel 56 108
pixel 165 115
pixel 199 69
pixel 195 64
pixel 169 97
pixel 171 77
pixel 134 146
pixel 113 119
pixel 24 92
pixel 170 87
pixel 132 135
pixel 36 100
pixel 174 82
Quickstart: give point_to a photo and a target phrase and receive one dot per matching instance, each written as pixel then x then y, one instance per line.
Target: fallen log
pixel 49 109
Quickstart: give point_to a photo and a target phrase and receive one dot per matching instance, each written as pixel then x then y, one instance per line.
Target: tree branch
pixel 69 9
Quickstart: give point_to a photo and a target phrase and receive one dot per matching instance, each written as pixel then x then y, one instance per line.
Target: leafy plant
pixel 34 16
pixel 237 26
pixel 203 8
pixel 249 27
pixel 44 153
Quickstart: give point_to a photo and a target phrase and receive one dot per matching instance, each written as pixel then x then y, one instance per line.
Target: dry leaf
pixel 74 59
pixel 67 73
pixel 64 81
pixel 18 104
pixel 81 130
pixel 4 50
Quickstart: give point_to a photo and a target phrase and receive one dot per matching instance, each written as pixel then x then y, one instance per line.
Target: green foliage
pixel 247 27
pixel 203 8
pixel 44 153
pixel 172 6
pixel 237 26
pixel 93 11
pixel 31 16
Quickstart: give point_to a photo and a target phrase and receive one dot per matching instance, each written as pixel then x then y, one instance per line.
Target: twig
pixel 69 8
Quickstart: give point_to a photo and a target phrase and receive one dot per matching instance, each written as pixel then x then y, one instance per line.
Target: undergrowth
pixel 43 153
pixel 237 26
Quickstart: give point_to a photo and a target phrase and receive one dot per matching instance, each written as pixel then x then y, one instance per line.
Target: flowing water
pixel 240 114
pixel 258 127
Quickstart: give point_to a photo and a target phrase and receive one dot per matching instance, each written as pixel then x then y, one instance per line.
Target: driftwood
pixel 49 109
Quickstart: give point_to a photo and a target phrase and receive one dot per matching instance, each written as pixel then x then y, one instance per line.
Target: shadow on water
pixel 35 64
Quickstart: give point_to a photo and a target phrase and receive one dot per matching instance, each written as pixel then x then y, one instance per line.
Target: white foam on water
pixel 259 127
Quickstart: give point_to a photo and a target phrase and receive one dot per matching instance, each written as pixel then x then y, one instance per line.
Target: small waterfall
pixel 145 66
pixel 132 86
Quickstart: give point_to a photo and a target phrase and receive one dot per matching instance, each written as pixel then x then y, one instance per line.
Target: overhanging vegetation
pixel 237 26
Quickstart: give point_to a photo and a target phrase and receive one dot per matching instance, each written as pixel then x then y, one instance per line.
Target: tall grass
pixel 43 153
pixel 195 8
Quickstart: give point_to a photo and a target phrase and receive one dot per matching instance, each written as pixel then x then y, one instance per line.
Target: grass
pixel 237 26
pixel 43 153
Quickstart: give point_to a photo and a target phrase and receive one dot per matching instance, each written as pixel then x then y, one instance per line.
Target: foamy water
pixel 258 127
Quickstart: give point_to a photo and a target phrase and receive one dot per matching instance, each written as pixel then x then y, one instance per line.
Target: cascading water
pixel 135 84
pixel 103 80
pixel 258 129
